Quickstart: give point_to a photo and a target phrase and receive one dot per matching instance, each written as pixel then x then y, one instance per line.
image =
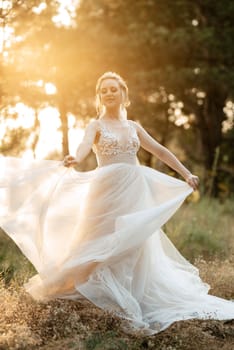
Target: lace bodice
pixel 114 145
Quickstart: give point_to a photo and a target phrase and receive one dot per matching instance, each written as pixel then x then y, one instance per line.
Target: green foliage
pixel 13 264
pixel 203 229
pixel 160 48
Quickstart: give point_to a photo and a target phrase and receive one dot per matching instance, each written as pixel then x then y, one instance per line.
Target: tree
pixel 170 52
pixel 177 45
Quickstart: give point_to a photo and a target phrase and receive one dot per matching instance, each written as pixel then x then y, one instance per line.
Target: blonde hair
pixel 124 91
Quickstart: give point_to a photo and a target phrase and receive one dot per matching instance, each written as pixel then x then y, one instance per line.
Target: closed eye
pixel 112 89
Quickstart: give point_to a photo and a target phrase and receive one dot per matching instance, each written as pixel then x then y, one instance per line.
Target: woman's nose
pixel 109 92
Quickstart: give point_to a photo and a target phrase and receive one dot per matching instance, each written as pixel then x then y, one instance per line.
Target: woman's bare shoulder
pixel 135 124
pixel 93 125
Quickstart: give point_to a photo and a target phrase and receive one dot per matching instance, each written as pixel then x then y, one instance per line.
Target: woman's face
pixel 110 93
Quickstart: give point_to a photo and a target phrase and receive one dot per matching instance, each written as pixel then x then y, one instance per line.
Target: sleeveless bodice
pixel 116 145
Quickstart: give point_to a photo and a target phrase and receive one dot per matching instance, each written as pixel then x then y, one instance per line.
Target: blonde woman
pixel 97 234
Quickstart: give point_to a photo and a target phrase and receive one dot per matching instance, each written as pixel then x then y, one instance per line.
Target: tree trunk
pixel 64 127
pixel 36 129
pixel 210 121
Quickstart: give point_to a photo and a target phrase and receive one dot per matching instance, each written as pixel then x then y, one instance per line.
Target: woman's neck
pixel 113 119
pixel 114 115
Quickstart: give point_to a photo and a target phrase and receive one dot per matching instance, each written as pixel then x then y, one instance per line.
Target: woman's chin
pixel 112 104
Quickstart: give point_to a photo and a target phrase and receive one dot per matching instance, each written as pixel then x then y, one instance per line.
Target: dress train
pixel 98 235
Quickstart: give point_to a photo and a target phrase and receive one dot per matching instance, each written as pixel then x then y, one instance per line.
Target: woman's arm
pixel 152 146
pixel 85 146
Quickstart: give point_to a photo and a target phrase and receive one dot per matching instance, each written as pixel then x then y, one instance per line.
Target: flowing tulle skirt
pixel 98 235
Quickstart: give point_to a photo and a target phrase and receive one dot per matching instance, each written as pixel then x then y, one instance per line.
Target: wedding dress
pixel 98 235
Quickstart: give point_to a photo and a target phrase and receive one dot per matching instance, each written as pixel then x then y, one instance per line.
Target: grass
pixel 202 231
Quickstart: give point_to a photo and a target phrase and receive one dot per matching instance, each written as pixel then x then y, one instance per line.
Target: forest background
pixel 177 58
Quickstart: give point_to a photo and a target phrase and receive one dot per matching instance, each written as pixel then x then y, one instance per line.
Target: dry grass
pixel 63 324
pixel 219 274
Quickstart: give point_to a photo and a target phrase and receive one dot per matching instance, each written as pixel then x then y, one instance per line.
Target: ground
pixel 203 229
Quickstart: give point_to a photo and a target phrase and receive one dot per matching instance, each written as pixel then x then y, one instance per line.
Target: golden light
pixel 50 136
pixel 153 97
pixel 177 112
pixel 50 139
pixel 40 83
pixel 182 120
pixel 75 134
pixel 201 94
pixel 228 124
pixel 21 115
pixel 25 117
pixel 195 22
pixel 18 39
pixel 6 36
pixel 176 115
pixel 171 97
pixel 66 13
pixel 5 4
pixel 50 89
pixel 38 9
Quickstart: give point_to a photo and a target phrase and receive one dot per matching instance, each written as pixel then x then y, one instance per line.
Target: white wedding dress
pixel 98 235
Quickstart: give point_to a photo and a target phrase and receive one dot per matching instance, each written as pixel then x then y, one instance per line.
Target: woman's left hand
pixel 193 181
pixel 69 161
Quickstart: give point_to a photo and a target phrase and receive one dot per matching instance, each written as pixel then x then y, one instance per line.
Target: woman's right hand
pixel 193 181
pixel 69 161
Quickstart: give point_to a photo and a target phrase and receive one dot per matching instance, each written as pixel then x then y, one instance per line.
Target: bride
pixel 97 234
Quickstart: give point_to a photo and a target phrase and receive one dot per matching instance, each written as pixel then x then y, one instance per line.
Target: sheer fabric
pixel 98 235
pixel 116 144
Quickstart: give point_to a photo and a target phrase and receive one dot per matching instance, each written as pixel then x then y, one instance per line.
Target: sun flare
pixel 66 13
pixel 50 135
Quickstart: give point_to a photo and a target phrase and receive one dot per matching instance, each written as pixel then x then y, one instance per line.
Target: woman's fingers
pixel 73 162
pixel 69 161
pixel 193 181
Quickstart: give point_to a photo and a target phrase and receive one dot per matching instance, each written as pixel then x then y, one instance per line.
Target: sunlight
pixel 39 83
pixel 182 120
pixel 50 139
pixel 28 155
pixel 50 89
pixel 5 5
pixel 66 13
pixel 50 136
pixel 176 115
pixel 6 35
pixel 38 9
pixel 75 138
pixel 195 22
pixel 25 118
pixel 228 124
